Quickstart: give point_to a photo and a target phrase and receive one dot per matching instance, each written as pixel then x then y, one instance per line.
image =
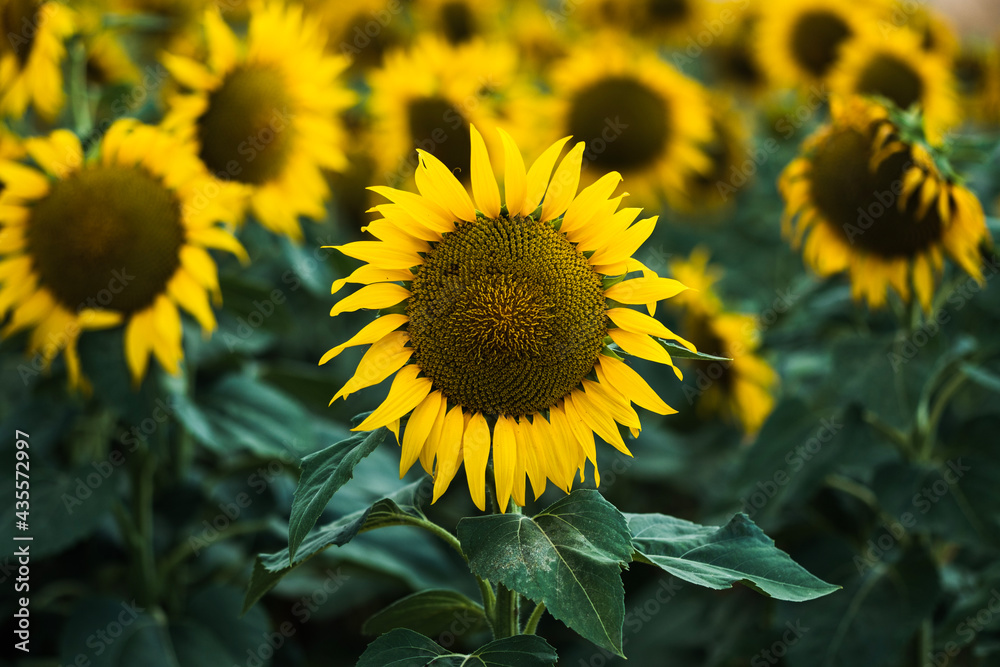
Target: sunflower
pixel 427 96
pixel 499 320
pixel 896 68
pixel 670 21
pixel 728 151
pixel 869 198
pixel 263 114
pixel 935 33
pixel 637 115
pixel 31 55
pixel 977 77
pixel 117 240
pixel 734 55
pixel 742 389
pixel 800 41
pixel 457 21
pixel 362 30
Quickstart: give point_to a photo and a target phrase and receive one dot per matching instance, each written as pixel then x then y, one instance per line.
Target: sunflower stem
pixel 942 401
pixel 536 615
pixel 83 123
pixel 506 615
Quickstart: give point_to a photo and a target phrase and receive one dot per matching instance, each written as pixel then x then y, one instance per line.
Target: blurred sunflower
pixel 896 68
pixel 977 77
pixel 117 240
pixel 873 202
pixel 670 21
pixel 108 63
pixel 800 41
pixel 426 97
pixel 734 53
pixel 362 30
pixel 742 389
pixel 31 56
pixel 637 115
pixel 263 113
pixel 507 313
pixel 173 25
pixel 934 32
pixel 726 151
pixel 457 21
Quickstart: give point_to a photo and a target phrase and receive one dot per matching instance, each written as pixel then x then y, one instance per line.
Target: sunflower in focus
pixel 637 115
pixel 868 198
pixel 31 56
pixel 500 321
pixel 800 41
pixel 426 98
pixel 119 239
pixel 263 113
pixel 742 389
pixel 896 68
pixel 457 21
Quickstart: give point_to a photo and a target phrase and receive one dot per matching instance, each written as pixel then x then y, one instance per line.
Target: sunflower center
pixel 457 22
pixel 625 124
pixel 107 237
pixel 439 128
pixel 19 19
pixel 892 78
pixel 506 316
pixel 862 206
pixel 668 11
pixel 246 131
pixel 816 38
pixel 970 74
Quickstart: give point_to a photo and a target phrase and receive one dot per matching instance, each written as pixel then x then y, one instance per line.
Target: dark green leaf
pixel 405 648
pixel 982 377
pixel 65 506
pixel 322 474
pixel 269 569
pixel 569 556
pixel 429 613
pixel 718 557
pixel 243 412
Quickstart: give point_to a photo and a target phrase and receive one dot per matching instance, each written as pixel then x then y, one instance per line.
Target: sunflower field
pixel 506 333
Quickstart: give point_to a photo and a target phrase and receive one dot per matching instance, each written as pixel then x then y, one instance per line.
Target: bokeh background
pixel 862 440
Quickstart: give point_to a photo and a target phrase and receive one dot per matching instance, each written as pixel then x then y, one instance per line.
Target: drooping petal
pixel 418 427
pixel 406 393
pixel 623 378
pixel 372 332
pixel 476 445
pixel 504 459
pixel 449 451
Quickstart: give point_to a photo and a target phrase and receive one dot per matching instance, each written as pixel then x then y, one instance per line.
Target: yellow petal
pixel 623 378
pixel 581 210
pixel 138 343
pixel 538 176
pixel 191 296
pixel 92 319
pixel 372 332
pixel 429 451
pixel 454 196
pixel 222 44
pixel 383 358
pixel 644 347
pixel 514 179
pixel 626 244
pixel 406 393
pixel 366 274
pixel 484 184
pixel 427 212
pixel 577 437
pixel 612 403
pixel 449 451
pixel 377 296
pixel 640 323
pixel 380 254
pixel 418 427
pixel 199 264
pixel 504 459
pixel 598 420
pixel 189 73
pixel 476 446
pixel 564 183
pixel 644 290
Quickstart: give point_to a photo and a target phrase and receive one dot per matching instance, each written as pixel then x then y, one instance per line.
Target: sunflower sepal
pixel 678 351
pixel 912 130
